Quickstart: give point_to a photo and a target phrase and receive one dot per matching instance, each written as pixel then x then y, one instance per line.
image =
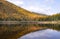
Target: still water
pixel 30 31
pixel 49 33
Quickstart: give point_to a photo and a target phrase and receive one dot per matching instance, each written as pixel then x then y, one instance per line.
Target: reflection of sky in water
pixel 44 34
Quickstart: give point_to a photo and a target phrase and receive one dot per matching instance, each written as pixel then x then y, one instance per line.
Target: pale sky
pixel 48 7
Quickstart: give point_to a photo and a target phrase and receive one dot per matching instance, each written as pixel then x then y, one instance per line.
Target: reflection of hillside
pixel 52 26
pixel 16 31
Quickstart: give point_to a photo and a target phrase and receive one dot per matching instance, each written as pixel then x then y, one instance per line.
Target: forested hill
pixel 54 17
pixel 9 11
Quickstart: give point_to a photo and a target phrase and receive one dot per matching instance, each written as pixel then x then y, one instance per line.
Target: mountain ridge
pixel 9 11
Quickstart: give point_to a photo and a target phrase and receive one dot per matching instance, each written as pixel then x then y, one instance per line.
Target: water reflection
pixel 43 34
pixel 46 31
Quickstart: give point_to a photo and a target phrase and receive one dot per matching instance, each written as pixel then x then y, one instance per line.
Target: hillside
pixel 55 17
pixel 9 11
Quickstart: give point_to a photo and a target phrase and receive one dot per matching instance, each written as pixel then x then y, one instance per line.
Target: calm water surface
pixel 42 34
